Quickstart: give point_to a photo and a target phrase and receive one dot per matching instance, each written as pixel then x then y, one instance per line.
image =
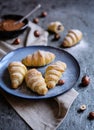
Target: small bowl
pixel 14 33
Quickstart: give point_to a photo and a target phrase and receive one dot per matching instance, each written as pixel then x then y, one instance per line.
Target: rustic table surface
pixel 75 14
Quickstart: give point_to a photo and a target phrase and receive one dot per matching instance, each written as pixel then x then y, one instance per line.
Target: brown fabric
pixel 39 114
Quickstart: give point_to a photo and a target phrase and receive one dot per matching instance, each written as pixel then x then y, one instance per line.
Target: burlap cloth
pixel 38 114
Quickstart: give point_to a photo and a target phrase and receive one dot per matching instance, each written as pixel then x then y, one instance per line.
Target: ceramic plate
pixel 70 76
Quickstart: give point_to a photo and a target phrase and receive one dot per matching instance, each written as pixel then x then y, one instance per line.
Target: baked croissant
pixel 55 27
pixel 36 82
pixel 72 38
pixel 53 73
pixel 17 73
pixel 39 58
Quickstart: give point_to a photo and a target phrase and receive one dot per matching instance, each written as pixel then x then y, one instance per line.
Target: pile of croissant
pixel 34 79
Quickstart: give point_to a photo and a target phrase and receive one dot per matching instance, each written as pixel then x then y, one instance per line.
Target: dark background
pixel 75 14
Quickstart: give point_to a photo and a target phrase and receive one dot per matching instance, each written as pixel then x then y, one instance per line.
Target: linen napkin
pixel 38 114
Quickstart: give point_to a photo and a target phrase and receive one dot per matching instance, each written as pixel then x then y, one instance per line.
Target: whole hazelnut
pixel 36 33
pixel 16 41
pixel 85 80
pixel 44 14
pixel 36 20
pixel 91 115
pixel 61 82
pixel 56 36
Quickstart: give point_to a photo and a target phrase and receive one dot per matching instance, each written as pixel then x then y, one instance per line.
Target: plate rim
pixel 41 97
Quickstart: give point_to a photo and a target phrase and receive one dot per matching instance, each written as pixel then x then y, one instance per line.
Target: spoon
pixel 35 9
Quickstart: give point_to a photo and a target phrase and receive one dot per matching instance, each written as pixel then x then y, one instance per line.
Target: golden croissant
pixel 17 73
pixel 56 27
pixel 53 73
pixel 72 38
pixel 39 58
pixel 36 82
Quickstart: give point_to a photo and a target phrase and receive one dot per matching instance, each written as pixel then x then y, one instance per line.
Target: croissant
pixel 36 82
pixel 53 73
pixel 72 38
pixel 17 73
pixel 55 27
pixel 39 58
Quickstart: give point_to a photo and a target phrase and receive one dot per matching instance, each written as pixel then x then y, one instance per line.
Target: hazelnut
pixel 36 33
pixel 16 41
pixel 83 107
pixel 61 82
pixel 44 14
pixel 56 36
pixel 36 20
pixel 85 80
pixel 91 115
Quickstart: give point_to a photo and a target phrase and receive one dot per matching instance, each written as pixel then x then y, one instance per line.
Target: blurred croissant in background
pixel 56 27
pixel 72 38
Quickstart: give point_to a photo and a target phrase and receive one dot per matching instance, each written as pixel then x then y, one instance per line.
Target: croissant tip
pixel 14 86
pixel 44 92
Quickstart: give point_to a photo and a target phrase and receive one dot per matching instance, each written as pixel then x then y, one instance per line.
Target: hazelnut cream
pixel 10 25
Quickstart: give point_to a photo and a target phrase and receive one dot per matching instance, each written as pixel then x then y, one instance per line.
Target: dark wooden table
pixel 75 14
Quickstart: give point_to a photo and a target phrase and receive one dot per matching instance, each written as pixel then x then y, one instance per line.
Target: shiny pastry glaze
pixel 10 25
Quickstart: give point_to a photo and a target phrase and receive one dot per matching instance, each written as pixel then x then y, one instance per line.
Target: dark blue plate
pixel 70 76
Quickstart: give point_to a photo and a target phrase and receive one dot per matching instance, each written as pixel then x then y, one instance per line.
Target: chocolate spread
pixel 10 25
